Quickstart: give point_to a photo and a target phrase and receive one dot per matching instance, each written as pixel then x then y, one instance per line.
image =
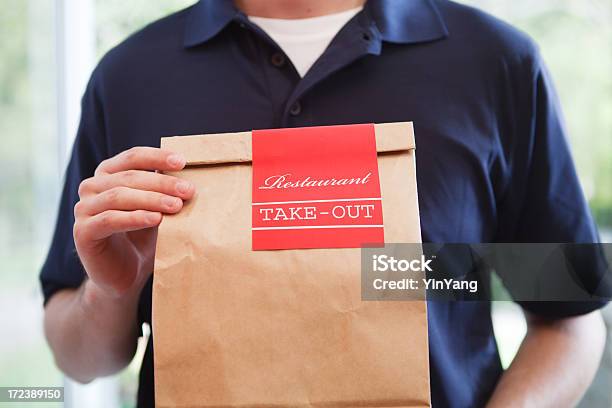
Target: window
pixel 29 176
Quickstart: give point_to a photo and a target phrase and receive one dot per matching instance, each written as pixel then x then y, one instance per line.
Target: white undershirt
pixel 304 40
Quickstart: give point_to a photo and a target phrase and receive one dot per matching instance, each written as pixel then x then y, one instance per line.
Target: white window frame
pixel 75 43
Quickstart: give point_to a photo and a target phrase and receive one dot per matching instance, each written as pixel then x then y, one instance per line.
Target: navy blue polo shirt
pixel 493 163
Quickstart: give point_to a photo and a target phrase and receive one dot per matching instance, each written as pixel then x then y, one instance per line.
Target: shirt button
pixel 296 109
pixel 278 60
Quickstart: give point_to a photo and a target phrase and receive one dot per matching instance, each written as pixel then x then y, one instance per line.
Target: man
pixel 493 166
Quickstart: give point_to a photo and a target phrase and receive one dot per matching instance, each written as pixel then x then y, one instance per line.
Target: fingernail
pixel 183 187
pixel 176 160
pixel 170 202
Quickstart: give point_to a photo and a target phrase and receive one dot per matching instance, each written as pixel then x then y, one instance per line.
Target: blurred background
pixel 47 51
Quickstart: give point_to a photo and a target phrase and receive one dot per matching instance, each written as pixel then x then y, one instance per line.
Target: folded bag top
pixel 236 147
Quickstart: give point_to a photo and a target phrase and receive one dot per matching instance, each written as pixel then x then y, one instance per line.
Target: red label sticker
pixel 316 187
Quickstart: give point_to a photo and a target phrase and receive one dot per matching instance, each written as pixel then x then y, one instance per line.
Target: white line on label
pixel 317 201
pixel 316 227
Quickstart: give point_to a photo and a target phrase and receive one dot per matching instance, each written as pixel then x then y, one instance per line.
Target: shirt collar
pixel 407 21
pixel 399 21
pixel 207 18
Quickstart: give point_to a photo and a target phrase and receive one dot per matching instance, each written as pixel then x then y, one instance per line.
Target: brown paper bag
pixel 235 327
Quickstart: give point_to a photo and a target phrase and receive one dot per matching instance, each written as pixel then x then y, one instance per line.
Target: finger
pixel 142 158
pixel 128 199
pixel 139 180
pixel 112 222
